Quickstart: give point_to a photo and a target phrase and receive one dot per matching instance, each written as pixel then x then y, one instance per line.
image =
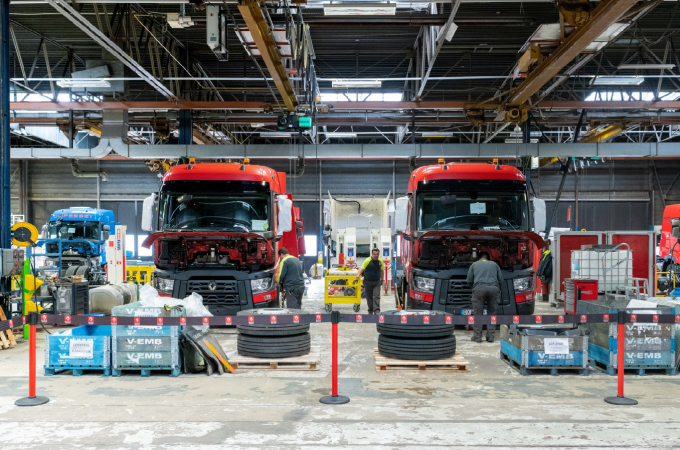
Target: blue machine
pixel 75 241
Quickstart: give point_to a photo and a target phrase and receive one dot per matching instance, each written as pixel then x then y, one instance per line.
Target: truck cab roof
pixel 84 214
pixel 463 171
pixel 227 171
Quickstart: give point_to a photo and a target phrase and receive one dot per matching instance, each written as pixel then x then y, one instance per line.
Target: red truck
pixel 217 228
pixel 667 242
pixel 454 212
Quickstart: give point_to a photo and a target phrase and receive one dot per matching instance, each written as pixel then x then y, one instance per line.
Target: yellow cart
pixel 340 287
pixel 139 274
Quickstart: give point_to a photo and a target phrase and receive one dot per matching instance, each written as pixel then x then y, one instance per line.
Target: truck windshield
pixel 246 212
pixel 472 211
pixel 74 230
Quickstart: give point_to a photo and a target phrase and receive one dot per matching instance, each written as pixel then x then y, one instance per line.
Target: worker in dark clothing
pixel 485 278
pixel 544 272
pixel 291 279
pixel 373 270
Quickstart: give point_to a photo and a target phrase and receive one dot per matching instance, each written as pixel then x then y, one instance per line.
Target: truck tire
pixel 274 347
pixel 272 330
pixel 417 349
pixel 414 331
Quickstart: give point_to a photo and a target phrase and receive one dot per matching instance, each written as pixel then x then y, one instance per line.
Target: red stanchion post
pixel 32 400
pixel 620 349
pixel 334 398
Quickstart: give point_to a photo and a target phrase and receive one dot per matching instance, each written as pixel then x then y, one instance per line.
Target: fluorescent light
pixel 357 83
pixel 31 111
pixel 275 134
pixel 359 9
pixel 257 125
pixel 520 141
pixel 93 83
pixel 647 66
pixel 436 134
pixel 616 81
pixel 340 134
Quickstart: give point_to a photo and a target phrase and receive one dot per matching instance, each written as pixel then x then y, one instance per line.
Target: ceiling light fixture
pixel 339 134
pixel 275 134
pixel 617 81
pixel 647 66
pixel 359 9
pixel 357 83
pixel 93 83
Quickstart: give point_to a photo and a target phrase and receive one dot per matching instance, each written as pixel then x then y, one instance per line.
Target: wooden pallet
pixel 455 363
pixel 9 341
pixel 310 361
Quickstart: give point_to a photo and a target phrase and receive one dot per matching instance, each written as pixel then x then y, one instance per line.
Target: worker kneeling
pixel 485 277
pixel 373 270
pixel 291 279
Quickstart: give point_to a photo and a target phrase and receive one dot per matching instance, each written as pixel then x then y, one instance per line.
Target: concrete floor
pixel 490 406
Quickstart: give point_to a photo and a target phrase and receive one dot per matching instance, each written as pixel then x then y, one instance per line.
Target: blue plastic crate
pixel 92 342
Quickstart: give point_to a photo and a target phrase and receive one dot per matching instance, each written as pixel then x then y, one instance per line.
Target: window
pixel 361 97
pixel 310 245
pixel 130 244
pixel 141 251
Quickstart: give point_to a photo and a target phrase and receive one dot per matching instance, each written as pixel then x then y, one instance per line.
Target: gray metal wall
pixel 627 206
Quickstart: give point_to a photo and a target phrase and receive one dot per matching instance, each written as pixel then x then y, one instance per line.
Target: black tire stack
pixel 416 342
pixel 273 341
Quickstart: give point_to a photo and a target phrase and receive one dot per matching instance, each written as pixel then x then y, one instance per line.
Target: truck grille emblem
pixel 212 285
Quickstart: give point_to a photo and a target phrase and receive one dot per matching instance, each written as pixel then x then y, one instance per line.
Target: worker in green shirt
pixel 373 270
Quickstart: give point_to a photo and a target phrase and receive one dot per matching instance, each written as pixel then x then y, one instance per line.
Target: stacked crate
pixel 648 346
pixel 87 347
pixel 145 348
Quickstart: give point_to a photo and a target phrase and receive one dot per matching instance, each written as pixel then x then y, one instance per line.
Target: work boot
pixel 474 339
pixel 489 339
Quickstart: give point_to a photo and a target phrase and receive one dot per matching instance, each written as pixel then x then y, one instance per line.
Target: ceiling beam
pixel 335 106
pixel 606 13
pixel 251 12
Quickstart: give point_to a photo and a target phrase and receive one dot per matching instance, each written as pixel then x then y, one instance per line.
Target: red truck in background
pixel 454 212
pixel 217 228
pixel 667 242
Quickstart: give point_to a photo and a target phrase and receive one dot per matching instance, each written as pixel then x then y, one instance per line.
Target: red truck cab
pixel 217 228
pixel 667 242
pixel 454 213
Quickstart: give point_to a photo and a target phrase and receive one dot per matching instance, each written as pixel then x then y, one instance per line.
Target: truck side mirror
pixel 539 215
pixel 45 233
pixel 147 213
pixel 285 207
pixel 675 230
pixel 401 214
pixel 105 235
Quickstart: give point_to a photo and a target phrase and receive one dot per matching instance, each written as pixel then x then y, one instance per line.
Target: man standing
pixel 373 270
pixel 291 279
pixel 485 277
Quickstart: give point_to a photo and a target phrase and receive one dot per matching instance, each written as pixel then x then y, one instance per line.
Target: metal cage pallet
pixel 455 363
pixel 543 370
pixel 145 370
pixel 76 370
pixel 635 370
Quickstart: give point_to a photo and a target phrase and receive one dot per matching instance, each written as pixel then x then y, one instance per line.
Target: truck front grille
pixel 225 292
pixel 459 293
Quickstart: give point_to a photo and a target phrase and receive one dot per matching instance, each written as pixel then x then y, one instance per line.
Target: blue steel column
pixel 185 127
pixel 5 198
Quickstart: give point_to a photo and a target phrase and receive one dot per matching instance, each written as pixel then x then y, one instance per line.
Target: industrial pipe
pixel 81 174
pixel 299 168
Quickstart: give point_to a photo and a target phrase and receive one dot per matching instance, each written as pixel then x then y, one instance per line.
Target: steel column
pixel 5 143
pixel 185 127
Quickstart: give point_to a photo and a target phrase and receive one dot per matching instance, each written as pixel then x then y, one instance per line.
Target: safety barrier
pixel 33 319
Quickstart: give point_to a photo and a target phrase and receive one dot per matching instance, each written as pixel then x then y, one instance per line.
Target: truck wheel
pixel 272 330
pixel 356 307
pixel 424 349
pixel 328 307
pixel 414 331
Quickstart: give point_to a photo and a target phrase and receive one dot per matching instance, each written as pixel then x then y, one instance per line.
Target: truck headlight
pixel 422 284
pixel 165 285
pixel 524 284
pixel 262 285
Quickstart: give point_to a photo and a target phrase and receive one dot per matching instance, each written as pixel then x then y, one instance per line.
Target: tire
pixel 414 331
pixel 272 330
pixel 282 347
pixel 328 307
pixel 356 307
pixel 417 349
